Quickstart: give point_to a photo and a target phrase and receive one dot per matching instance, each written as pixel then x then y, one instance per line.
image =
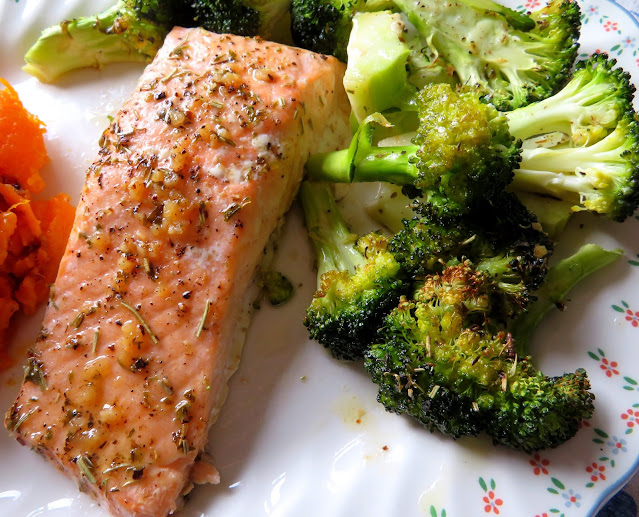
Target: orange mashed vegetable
pixel 33 233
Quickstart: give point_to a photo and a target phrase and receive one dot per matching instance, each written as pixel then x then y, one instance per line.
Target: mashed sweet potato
pixel 33 233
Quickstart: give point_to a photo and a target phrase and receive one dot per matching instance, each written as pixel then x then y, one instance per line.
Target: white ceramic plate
pixel 302 434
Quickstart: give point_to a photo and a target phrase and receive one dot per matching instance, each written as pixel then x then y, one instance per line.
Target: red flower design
pixel 539 465
pixel 492 503
pixel 542 515
pixel 532 4
pixel 633 317
pixel 609 366
pixel 632 417
pixel 596 472
pixel 610 26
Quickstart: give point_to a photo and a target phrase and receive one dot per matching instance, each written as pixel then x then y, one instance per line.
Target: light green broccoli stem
pixel 552 214
pixel 591 177
pixel 376 78
pixel 115 35
pixel 333 242
pixel 391 164
pixel 559 281
pixel 576 105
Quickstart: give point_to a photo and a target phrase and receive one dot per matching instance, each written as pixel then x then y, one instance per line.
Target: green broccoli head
pixel 227 16
pixel 359 281
pixel 323 26
pixel 538 412
pixel 442 360
pixel 348 308
pixel 160 11
pixel 464 150
pixel 461 154
pixel 243 17
pixel 501 237
pixel 514 64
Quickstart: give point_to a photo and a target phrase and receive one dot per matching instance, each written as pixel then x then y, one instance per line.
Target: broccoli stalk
pixel 134 30
pixel 443 362
pixel 461 153
pixel 603 177
pixel 586 109
pixel 129 31
pixel 359 281
pixel 596 164
pixel 560 280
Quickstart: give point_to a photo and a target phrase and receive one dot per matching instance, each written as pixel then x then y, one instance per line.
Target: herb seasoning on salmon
pixel 195 171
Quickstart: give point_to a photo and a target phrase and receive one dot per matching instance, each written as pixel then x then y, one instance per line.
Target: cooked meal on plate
pixel 465 134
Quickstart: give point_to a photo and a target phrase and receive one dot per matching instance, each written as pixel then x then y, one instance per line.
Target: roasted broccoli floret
pixel 461 153
pixel 359 281
pixel 503 240
pixel 130 30
pixel 583 142
pixel 324 26
pixel 134 30
pixel 515 59
pixel 243 17
pixel 585 110
pixel 442 360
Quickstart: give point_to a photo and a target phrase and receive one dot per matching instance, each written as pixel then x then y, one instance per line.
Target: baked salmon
pixel 146 319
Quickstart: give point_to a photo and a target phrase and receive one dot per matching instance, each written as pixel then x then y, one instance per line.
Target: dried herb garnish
pixel 96 336
pixel 133 310
pixel 33 373
pixel 14 426
pixel 205 315
pixel 234 208
pixel 150 270
pixel 77 321
pixel 86 466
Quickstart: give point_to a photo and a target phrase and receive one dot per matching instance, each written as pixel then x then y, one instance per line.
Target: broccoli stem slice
pixel 390 164
pixel 560 280
pixel 333 167
pixel 365 162
pixel 332 240
pixel 116 34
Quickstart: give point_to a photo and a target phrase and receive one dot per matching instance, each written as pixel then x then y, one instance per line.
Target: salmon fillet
pixel 145 322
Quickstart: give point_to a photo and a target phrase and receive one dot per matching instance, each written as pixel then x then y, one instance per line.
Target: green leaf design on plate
pixel 482 484
pixel 601 433
pixel 558 484
pixel 433 512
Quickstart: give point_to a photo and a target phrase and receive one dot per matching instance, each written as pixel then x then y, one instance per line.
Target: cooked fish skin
pixel 141 333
